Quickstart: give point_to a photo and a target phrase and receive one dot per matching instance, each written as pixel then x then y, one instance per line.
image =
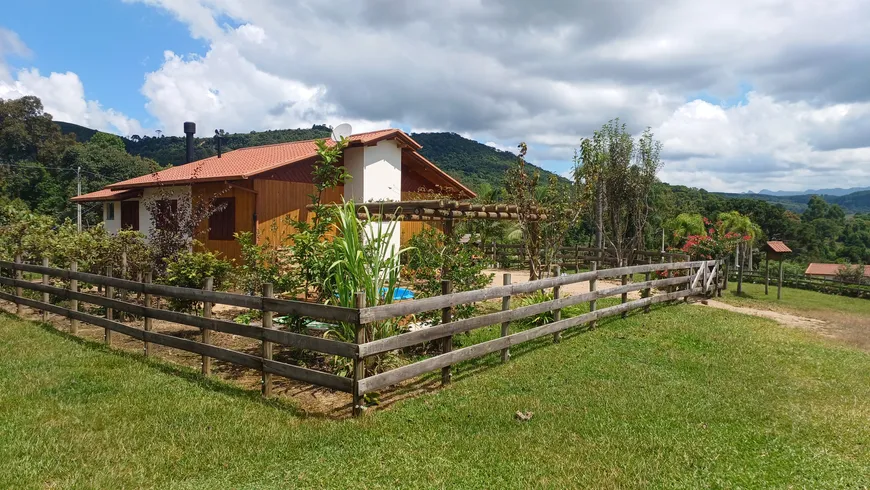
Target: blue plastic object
pixel 400 293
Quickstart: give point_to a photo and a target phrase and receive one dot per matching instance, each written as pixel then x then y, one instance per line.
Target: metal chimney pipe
pixel 189 131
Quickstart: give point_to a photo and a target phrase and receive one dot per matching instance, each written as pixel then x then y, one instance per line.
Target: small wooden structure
pixel 774 250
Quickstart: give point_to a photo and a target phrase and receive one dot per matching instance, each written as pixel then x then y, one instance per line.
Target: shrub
pixel 261 264
pixel 717 243
pixel 190 269
pixel 430 251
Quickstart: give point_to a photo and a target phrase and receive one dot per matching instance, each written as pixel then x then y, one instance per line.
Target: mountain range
pixel 838 191
pixel 473 163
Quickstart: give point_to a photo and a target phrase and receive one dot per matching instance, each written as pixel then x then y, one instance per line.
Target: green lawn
pixel 684 397
pixel 798 300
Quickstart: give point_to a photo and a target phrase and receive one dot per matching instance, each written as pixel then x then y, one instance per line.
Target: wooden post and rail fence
pixel 681 280
pixel 573 257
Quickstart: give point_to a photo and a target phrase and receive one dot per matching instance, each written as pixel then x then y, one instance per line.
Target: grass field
pixel 684 397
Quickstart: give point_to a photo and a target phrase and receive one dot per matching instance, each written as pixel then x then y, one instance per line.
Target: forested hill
pixel 471 162
pixel 856 202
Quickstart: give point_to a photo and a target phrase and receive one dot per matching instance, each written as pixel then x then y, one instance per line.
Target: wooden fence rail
pixel 574 255
pixel 702 277
pixel 682 279
pixel 264 334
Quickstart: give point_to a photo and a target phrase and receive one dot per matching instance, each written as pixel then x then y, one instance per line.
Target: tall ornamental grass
pixel 366 261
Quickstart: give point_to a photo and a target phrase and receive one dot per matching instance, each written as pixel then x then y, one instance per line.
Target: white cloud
pixel 62 94
pixel 766 143
pixel 501 147
pixel 224 90
pixel 547 73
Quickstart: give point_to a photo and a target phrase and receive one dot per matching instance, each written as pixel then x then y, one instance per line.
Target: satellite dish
pixel 341 131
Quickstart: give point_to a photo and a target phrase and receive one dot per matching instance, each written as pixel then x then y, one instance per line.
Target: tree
pixel 31 152
pixel 620 174
pixel 734 222
pixel 684 225
pixel 545 214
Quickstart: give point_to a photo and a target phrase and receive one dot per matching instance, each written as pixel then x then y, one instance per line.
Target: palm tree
pixel 684 225
pixel 734 222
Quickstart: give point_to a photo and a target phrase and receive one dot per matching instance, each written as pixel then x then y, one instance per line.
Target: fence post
pixel 688 284
pixel 19 308
pixel 123 292
pixel 495 254
pixel 779 285
pixel 359 370
pixel 506 326
pixel 624 281
pixel 206 333
pixel 74 303
pixel 577 259
pixel 147 320
pixel 766 274
pixel 557 314
pixel 646 277
pixel 45 296
pixel 446 317
pixel 593 286
pixel 267 346
pixel 110 293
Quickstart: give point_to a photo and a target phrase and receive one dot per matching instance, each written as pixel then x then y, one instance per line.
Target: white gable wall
pixel 377 176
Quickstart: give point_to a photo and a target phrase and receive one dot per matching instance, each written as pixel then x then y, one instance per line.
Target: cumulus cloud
pixel 548 73
pixel 764 142
pixel 62 94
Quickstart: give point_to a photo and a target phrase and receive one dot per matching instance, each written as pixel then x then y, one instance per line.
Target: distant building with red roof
pixel 830 271
pixel 259 187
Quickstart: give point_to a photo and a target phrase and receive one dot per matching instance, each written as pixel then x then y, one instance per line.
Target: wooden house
pixel 259 187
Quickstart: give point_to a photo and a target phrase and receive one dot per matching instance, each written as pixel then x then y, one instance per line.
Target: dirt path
pixel 841 327
pixel 518 277
pixel 786 319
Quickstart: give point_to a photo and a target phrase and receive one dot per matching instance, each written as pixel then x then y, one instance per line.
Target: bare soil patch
pixel 519 276
pixel 847 328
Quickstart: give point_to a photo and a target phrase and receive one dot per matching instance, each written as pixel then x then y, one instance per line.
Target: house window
pixel 130 215
pixel 166 214
pixel 222 224
pixel 110 211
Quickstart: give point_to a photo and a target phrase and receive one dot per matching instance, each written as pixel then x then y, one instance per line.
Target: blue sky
pixel 109 44
pixel 742 98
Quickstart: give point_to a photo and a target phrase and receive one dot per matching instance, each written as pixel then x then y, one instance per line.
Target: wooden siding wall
pixel 408 229
pixel 245 202
pixel 277 200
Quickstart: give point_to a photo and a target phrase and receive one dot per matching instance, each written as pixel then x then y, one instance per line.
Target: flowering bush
pixel 715 244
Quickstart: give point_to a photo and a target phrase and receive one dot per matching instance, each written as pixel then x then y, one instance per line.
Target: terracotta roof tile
pixel 105 195
pixel 816 269
pixel 246 162
pixel 778 247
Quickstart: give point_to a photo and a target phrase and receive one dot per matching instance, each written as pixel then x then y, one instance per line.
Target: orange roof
pixel 247 162
pixel 815 269
pixel 778 247
pixel 105 195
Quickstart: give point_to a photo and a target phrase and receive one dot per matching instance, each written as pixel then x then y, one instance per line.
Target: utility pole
pixel 663 240
pixel 78 204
